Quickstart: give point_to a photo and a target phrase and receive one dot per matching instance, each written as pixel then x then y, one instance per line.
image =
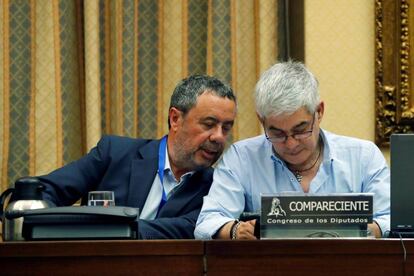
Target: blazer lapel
pixel 143 172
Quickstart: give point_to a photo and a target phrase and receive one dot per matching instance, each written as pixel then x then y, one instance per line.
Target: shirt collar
pixel 328 151
pixel 167 160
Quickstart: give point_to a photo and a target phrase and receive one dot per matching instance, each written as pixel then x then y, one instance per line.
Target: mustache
pixel 212 146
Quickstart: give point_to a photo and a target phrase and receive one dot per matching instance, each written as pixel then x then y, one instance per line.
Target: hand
pixel 245 231
pixel 375 230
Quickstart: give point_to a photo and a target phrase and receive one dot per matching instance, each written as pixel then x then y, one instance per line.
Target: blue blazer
pixel 128 167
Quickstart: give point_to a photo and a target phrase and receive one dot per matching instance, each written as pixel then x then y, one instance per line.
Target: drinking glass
pixel 101 198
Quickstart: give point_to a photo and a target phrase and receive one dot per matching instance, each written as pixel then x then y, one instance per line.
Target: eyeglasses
pixel 297 136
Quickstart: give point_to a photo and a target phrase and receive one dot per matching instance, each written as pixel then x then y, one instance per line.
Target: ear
pixel 174 115
pixel 320 109
pixel 261 119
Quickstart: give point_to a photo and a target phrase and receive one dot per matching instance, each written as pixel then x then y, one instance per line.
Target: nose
pixel 218 135
pixel 291 142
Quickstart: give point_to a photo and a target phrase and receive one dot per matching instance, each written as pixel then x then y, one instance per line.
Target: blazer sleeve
pixel 68 184
pixel 169 228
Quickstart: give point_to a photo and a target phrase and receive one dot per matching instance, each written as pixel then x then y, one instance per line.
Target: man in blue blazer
pixel 167 178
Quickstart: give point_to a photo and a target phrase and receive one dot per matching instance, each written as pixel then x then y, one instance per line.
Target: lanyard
pixel 161 166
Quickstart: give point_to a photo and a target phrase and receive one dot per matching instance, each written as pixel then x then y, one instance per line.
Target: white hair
pixel 284 88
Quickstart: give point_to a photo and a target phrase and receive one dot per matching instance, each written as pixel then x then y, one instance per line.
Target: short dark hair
pixel 189 89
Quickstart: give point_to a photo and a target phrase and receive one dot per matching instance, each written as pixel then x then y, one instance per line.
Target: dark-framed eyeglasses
pixel 297 136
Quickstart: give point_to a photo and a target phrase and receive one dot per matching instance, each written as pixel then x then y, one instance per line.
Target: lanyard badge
pixel 161 166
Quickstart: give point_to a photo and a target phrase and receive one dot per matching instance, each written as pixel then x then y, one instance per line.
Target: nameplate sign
pixel 337 215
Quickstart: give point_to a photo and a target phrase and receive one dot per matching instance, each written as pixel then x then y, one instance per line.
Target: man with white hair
pixel 293 155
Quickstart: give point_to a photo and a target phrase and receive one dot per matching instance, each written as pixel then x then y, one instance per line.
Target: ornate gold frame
pixel 394 72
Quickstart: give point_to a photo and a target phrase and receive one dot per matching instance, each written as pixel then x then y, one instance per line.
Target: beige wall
pixel 339 49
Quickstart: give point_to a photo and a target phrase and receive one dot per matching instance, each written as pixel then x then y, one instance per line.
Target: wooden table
pixel 102 258
pixel 190 257
pixel 310 257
